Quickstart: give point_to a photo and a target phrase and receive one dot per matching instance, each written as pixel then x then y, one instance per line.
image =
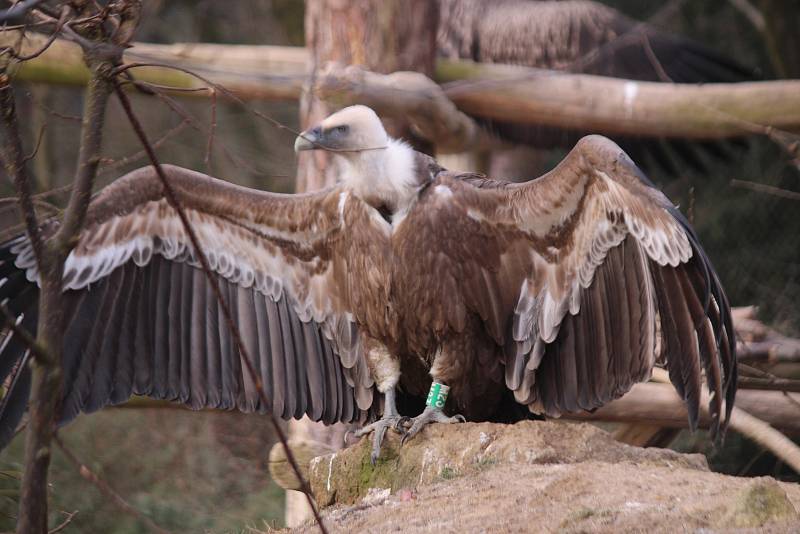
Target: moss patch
pixel 761 502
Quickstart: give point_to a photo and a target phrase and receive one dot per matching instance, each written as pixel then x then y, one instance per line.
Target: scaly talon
pixel 429 415
pixel 390 419
pixel 379 427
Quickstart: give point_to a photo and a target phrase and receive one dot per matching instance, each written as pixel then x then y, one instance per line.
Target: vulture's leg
pixel 433 411
pixel 385 370
pixel 453 356
pixel 390 419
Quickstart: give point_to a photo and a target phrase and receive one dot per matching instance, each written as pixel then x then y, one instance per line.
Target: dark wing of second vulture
pixel 143 319
pixel 586 37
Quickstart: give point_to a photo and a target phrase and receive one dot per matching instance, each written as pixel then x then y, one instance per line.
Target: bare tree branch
pixel 109 165
pixel 27 338
pixel 65 12
pixel 97 94
pixel 764 188
pixel 18 10
pixel 14 162
pixel 101 57
pixel 751 13
pixel 64 524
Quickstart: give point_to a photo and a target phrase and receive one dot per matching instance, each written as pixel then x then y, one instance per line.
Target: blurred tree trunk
pixel 379 35
pixel 382 36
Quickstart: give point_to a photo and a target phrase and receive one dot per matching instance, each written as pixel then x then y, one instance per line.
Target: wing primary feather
pixel 198 347
pixel 276 352
pixel 678 327
pixel 246 321
pixel 122 380
pixel 314 373
pixel 175 329
pixel 228 355
pixel 299 362
pixel 708 350
pixel 15 401
pixel 143 342
pixel 264 353
pixel 161 341
pixel 289 359
pixel 214 389
pixel 569 372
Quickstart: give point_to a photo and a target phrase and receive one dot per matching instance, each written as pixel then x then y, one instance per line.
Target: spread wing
pixel 587 276
pixel 142 319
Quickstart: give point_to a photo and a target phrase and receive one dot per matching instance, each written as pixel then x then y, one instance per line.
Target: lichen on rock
pixel 761 502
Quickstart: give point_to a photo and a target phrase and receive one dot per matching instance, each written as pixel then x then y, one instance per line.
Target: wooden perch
pixel 760 343
pixel 606 105
pixel 659 404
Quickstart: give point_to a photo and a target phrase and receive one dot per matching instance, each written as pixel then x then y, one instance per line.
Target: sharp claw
pixel 401 423
pixel 344 439
pixel 460 418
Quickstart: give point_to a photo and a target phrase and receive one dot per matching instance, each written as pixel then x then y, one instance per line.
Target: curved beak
pixel 308 140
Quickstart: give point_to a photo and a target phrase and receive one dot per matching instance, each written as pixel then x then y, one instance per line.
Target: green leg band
pixel 437 396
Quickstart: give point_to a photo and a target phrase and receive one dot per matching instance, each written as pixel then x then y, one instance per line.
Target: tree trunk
pixel 379 35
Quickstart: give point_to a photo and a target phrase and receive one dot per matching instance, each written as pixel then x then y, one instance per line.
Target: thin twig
pixel 65 12
pixel 764 188
pixel 38 145
pixel 51 111
pixel 172 198
pixel 10 322
pixel 653 59
pixel 751 13
pixel 109 165
pixel 212 130
pixel 199 127
pixel 14 162
pixel 64 523
pixel 232 96
pixel 107 490
pixel 45 194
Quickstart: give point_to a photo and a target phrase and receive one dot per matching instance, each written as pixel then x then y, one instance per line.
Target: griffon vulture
pixel 586 37
pixel 557 295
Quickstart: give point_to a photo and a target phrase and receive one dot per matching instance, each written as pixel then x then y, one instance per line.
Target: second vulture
pixel 555 295
pixel 588 37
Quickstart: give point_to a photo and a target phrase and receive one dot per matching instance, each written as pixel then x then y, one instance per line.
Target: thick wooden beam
pixel 592 103
pixel 659 404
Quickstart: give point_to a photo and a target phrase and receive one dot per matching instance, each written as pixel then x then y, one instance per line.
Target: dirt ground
pixel 540 477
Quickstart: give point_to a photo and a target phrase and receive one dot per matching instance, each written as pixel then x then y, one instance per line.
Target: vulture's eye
pixel 343 129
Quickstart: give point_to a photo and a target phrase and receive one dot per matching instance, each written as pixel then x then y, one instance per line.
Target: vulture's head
pixel 348 132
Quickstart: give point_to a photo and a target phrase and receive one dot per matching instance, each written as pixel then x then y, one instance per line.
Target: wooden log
pixel 659 404
pixel 605 105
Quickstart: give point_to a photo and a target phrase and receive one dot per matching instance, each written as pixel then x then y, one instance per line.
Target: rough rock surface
pixel 539 476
